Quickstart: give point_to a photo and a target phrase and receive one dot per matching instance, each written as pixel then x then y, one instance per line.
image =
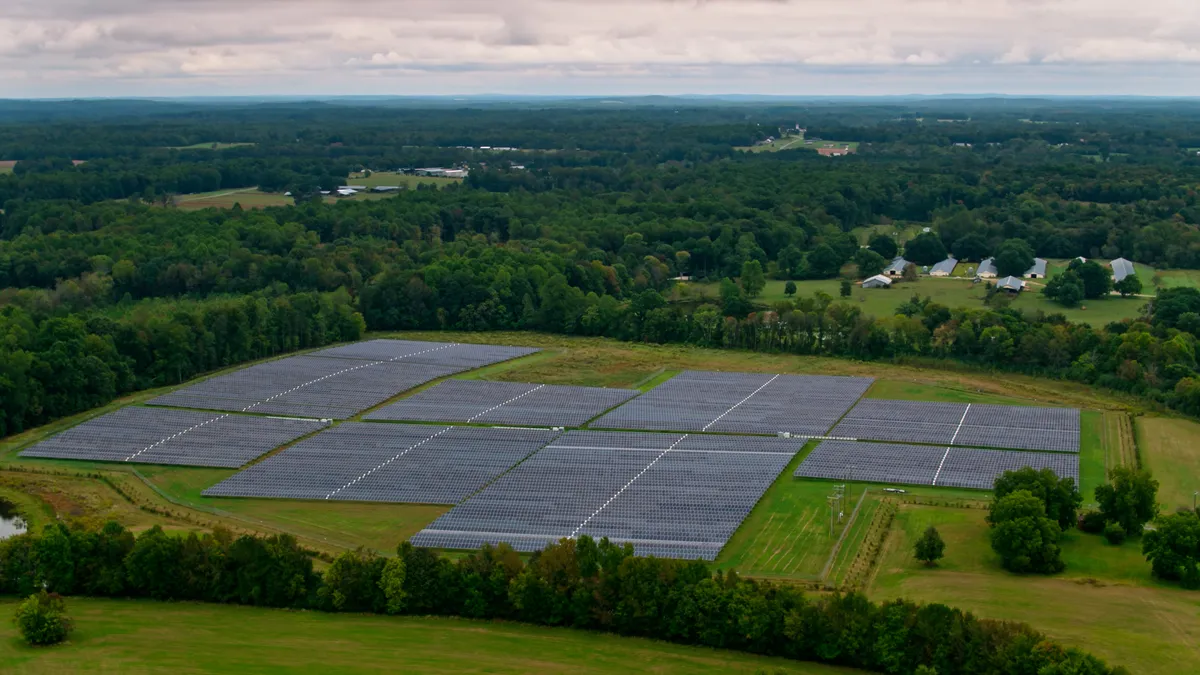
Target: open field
pixel 130 636
pixel 390 178
pixel 1170 451
pixel 1088 606
pixel 1171 279
pixel 209 146
pixel 954 293
pixel 900 233
pixel 6 165
pixel 799 143
pixel 249 198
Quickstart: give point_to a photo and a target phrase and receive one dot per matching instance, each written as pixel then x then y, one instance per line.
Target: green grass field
pixel 1169 451
pixel 389 178
pixel 209 146
pixel 6 165
pixel 137 636
pixel 954 293
pixel 799 143
pixel 249 198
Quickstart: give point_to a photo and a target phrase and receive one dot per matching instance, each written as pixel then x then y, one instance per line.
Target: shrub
pixel 930 548
pixel 1114 533
pixel 1091 522
pixel 1025 538
pixel 42 619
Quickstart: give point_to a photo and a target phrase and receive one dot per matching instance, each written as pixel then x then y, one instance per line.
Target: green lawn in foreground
pixel 952 293
pixel 139 636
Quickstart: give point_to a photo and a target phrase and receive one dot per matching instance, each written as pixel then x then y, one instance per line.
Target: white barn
pixel 877 281
pixel 944 268
pixel 1038 271
pixel 987 269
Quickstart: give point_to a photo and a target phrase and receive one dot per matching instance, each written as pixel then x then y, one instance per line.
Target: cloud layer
pixel 147 47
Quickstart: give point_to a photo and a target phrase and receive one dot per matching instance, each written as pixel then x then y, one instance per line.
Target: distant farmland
pixel 249 198
pixel 209 146
pixel 6 165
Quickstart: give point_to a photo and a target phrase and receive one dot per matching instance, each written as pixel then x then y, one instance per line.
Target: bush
pixel 1114 533
pixel 1173 549
pixel 930 548
pixel 42 619
pixel 1091 522
pixel 1025 539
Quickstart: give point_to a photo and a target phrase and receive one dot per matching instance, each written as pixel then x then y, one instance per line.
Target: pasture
pixel 1169 450
pixel 248 198
pixel 378 178
pixel 951 292
pixel 131 636
pixel 799 143
pixel 6 165
pixel 210 146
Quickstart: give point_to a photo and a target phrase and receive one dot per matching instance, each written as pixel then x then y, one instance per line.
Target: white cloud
pixel 543 46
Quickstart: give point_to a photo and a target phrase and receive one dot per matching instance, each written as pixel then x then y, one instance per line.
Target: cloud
pixel 544 46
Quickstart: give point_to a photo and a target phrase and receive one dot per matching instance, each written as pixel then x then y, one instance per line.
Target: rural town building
pixel 897 267
pixel 987 269
pixel 944 268
pixel 1010 284
pixel 1038 271
pixel 1121 268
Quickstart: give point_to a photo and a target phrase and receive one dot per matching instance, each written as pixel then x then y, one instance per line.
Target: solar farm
pixel 673 471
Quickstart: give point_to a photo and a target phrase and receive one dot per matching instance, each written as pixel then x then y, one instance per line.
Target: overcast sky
pixel 51 48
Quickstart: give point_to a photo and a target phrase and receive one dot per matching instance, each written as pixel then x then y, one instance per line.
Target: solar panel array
pixel 324 385
pixel 401 463
pixel 998 426
pixel 182 437
pixel 670 495
pixel 926 464
pixel 505 403
pixel 455 354
pixel 740 403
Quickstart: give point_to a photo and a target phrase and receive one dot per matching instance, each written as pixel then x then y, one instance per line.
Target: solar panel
pixel 997 426
pixel 401 463
pixel 305 386
pixel 926 464
pixel 671 495
pixel 740 403
pixel 180 437
pixel 872 462
pixel 338 382
pixel 505 403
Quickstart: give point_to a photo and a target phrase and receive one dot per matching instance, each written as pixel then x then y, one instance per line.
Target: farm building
pixel 346 192
pixel 356 188
pixel 877 281
pixel 834 152
pixel 438 172
pixel 386 188
pixel 1038 271
pixel 897 267
pixel 987 269
pixel 1010 284
pixel 944 268
pixel 1121 268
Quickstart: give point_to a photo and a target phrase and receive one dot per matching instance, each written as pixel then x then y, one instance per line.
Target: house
pixel 1122 268
pixel 877 281
pixel 1010 284
pixel 944 268
pixel 1038 271
pixel 987 269
pixel 897 267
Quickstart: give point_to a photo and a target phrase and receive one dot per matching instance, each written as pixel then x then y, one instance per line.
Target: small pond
pixel 11 522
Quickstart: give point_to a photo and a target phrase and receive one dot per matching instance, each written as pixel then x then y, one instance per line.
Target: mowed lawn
pixel 140 636
pixel 1170 449
pixel 953 293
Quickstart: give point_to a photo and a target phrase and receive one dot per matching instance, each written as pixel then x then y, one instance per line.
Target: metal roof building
pixel 877 281
pixel 1038 271
pixel 987 269
pixel 897 267
pixel 944 268
pixel 1122 268
pixel 1012 284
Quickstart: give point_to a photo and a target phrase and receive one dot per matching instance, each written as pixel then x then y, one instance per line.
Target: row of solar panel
pixel 927 465
pixel 337 382
pixel 996 426
pixel 667 494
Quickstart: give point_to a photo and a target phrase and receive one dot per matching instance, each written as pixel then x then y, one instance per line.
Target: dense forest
pixel 579 224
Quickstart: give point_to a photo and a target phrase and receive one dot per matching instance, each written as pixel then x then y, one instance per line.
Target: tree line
pixel 581 584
